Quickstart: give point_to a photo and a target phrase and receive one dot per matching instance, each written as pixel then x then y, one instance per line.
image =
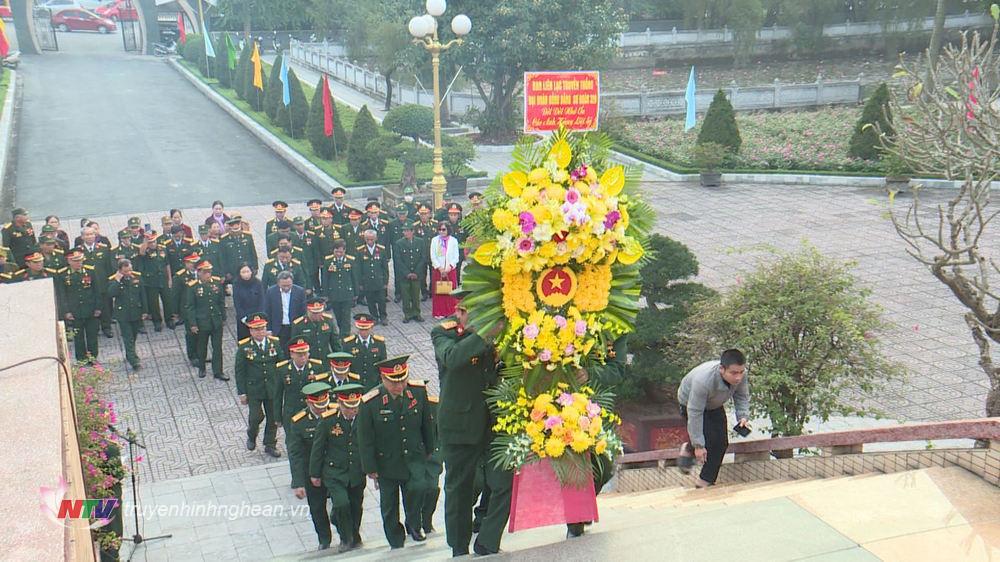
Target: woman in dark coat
pixel 248 297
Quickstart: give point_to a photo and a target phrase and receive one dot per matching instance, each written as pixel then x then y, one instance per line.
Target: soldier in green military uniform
pixel 98 254
pixel 425 229
pixel 294 374
pixel 19 235
pixel 314 221
pixel 52 255
pixel 340 369
pixel 353 233
pixel 209 248
pixel 49 231
pixel 125 287
pixel 409 262
pixel 178 246
pixel 283 262
pixel 341 212
pixel 367 350
pixel 318 328
pixel 396 435
pixel 280 208
pixel 34 269
pixel 325 236
pixel 178 295
pixel 467 367
pixel 393 232
pixel 434 466
pixel 409 202
pixel 154 264
pixel 80 305
pixel 126 250
pixel 302 240
pixel 237 248
pixel 335 463
pixel 205 317
pixel 300 434
pixel 134 230
pixel 373 276
pixel 377 220
pixel 7 264
pixel 256 370
pixel 282 229
pixel 340 285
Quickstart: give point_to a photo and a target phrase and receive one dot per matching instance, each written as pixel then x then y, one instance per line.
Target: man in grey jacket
pixel 703 395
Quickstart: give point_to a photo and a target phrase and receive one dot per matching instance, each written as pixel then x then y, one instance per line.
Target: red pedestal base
pixel 539 500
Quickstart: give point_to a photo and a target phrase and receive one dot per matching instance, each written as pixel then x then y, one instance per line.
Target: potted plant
pixel 708 156
pixel 897 173
pixel 458 154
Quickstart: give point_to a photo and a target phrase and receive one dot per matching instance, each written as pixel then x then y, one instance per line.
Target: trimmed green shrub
pixel 325 147
pixel 220 66
pixel 293 118
pixel 193 50
pixel 240 75
pixel 720 124
pixel 410 120
pixel 458 154
pixel 273 98
pixel 865 141
pixel 365 157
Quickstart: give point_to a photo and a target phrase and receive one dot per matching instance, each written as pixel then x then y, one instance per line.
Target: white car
pixel 57 5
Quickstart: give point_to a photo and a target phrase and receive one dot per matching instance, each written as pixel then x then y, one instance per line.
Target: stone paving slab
pixel 196 426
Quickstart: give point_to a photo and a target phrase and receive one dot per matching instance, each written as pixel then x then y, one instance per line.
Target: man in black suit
pixel 283 303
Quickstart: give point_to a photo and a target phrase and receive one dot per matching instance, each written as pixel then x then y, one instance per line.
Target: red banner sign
pixel 570 98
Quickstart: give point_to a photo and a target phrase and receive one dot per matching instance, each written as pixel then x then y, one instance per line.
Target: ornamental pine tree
pixel 273 99
pixel 293 118
pixel 220 68
pixel 365 159
pixel 240 75
pixel 325 147
pixel 720 124
pixel 864 142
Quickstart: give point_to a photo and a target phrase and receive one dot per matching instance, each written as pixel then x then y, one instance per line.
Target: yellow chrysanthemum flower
pixel 504 220
pixel 600 447
pixel 555 448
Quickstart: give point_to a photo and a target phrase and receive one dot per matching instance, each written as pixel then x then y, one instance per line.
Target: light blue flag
pixel 209 49
pixel 286 96
pixel 689 99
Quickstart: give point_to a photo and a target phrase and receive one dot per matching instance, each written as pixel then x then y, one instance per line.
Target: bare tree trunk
pixel 937 37
pixel 388 90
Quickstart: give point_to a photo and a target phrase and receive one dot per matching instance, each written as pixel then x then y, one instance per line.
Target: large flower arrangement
pixel 555 273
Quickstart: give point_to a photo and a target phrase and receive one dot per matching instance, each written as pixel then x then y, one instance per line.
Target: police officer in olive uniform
pixel 205 316
pixel 367 350
pixel 237 248
pixel 467 365
pixel 373 276
pixel 178 295
pixel 299 437
pixel 396 436
pixel 340 285
pixel 19 235
pixel 341 212
pixel 154 263
pixel 335 462
pixel 125 287
pixel 425 229
pixel 80 305
pixel 409 262
pixel 99 255
pixel 256 370
pixel 318 328
pixel 293 374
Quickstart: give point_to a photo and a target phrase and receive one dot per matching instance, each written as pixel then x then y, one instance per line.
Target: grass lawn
pixel 3 86
pixel 337 169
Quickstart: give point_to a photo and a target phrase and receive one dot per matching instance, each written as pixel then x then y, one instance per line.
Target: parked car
pixel 57 5
pixel 118 10
pixel 81 20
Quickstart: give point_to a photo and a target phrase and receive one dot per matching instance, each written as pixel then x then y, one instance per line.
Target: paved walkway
pixel 107 132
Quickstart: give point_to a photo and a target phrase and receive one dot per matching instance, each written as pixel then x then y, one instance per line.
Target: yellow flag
pixel 258 77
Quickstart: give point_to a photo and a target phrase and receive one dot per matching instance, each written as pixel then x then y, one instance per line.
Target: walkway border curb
pixel 316 177
pixel 8 141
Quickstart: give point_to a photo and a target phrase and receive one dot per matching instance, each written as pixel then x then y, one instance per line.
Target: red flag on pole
pixel 327 109
pixel 180 27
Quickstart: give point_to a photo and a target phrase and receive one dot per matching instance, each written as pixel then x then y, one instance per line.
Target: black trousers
pixel 716 441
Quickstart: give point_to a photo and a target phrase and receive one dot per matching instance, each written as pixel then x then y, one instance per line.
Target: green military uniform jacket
pixel 396 434
pixel 20 239
pixel 288 384
pixel 154 267
pixel 352 237
pixel 256 369
pixel 178 294
pixel 100 258
pixel 204 303
pixel 28 275
pixel 322 335
pixel 273 267
pixel 336 454
pixel 213 252
pixel 306 244
pixel 373 267
pixel 237 248
pixel 612 372
pixel 126 251
pixel 339 278
pixel 77 293
pixel 340 216
pixel 394 231
pixel 382 228
pixel 299 437
pixel 176 250
pixel 130 302
pixel 365 358
pixel 271 226
pixel 409 256
pixel 54 261
pixel 323 239
pixel 271 240
pixel 467 368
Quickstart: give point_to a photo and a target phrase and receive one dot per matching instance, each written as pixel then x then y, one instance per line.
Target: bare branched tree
pixel 953 130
